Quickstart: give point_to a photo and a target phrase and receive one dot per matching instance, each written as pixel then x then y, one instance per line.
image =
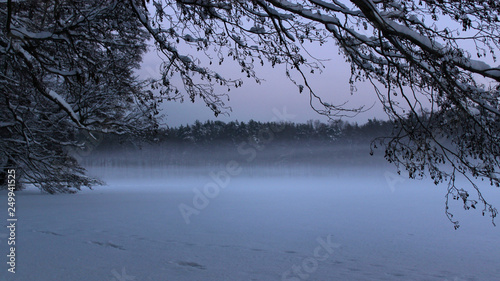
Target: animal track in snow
pixel 108 244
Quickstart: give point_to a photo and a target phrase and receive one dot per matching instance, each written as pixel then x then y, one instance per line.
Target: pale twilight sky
pixel 257 102
pixel 254 101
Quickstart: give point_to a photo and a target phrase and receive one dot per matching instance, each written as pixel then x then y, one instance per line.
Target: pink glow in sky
pixel 254 101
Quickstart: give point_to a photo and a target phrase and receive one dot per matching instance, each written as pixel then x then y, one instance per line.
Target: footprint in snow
pixel 257 250
pixel 191 264
pixel 107 244
pixel 48 232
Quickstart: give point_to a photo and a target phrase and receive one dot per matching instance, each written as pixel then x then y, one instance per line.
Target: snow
pixel 6 124
pixel 412 34
pixel 63 104
pixel 480 66
pixel 22 33
pixel 62 72
pixel 51 94
pixel 351 221
pixel 474 111
pixel 426 43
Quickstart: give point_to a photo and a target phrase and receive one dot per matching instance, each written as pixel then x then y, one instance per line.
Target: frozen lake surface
pixel 338 223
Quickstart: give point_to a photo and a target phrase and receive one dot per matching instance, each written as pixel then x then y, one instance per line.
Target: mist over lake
pixel 287 211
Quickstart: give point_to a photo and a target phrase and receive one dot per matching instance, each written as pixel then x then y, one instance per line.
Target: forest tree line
pixel 213 132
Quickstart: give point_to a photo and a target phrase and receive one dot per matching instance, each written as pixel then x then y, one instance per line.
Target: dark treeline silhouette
pixel 270 144
pixel 212 132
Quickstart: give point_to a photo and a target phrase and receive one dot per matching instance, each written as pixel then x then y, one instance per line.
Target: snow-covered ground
pixel 340 223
